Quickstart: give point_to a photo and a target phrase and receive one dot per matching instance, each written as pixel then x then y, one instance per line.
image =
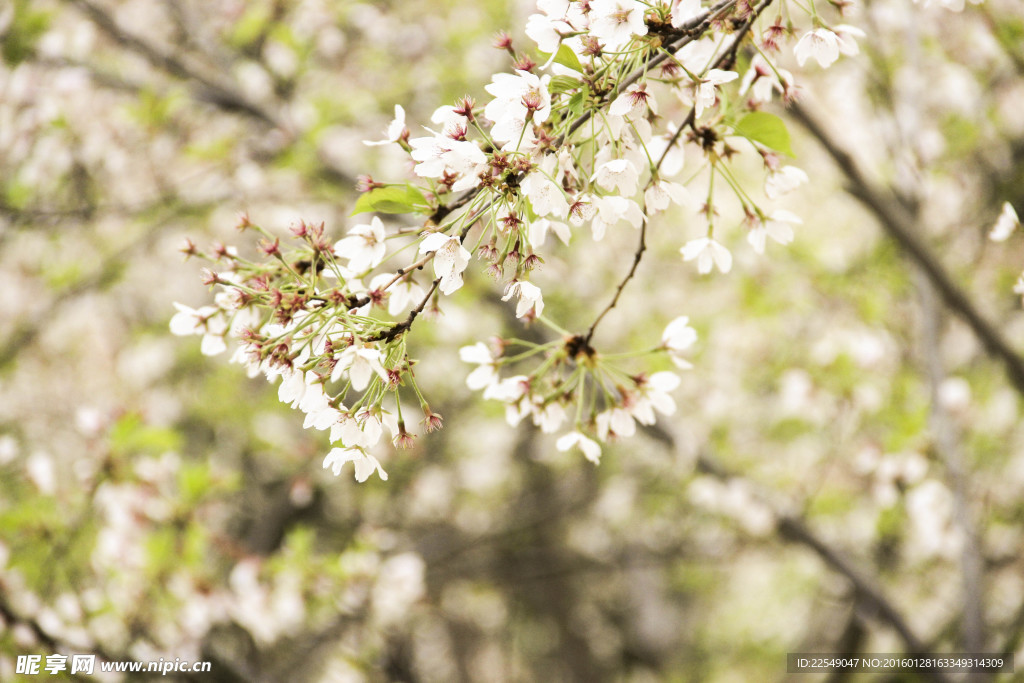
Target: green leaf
pixel 567 58
pixel 564 83
pixel 576 104
pixel 768 129
pixel 391 199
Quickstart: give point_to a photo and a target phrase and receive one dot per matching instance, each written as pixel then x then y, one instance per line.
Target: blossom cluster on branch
pixel 570 140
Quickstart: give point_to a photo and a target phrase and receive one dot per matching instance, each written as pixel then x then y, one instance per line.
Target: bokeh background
pixel 844 473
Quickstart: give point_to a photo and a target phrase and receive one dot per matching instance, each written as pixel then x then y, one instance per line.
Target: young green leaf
pixel 767 129
pixel 391 199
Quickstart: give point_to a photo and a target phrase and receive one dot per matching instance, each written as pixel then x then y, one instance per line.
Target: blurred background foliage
pixel 157 503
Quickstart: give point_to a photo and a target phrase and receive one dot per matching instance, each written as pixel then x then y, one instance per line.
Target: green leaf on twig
pixel 392 199
pixel 768 129
pixel 564 83
pixel 566 57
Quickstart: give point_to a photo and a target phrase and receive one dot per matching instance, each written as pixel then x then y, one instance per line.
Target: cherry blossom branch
pixel 299 338
pixel 728 56
pixel 395 330
pixel 637 257
pixel 895 219
pixel 692 30
pixel 399 274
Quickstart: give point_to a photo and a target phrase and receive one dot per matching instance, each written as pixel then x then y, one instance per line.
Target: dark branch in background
pixel 56 645
pixel 12 619
pixel 206 88
pixel 727 57
pixel 868 592
pixel 897 221
pixel 220 94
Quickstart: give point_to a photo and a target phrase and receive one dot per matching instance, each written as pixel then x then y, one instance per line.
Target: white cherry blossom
pixel 615 22
pixel 515 97
pixel 617 421
pixel 777 226
pixel 610 210
pixel 538 231
pixel 451 122
pixel 292 388
pixel 364 246
pixel 365 464
pixel 684 11
pixel 783 181
pixel 618 175
pixel 634 102
pixel 508 390
pixel 678 335
pixel 704 91
pixel 591 449
pixel 548 417
pixel 848 36
pixel 401 295
pixel 672 157
pixel 361 363
pixel 487 373
pixel 762 81
pixel 438 154
pixel 708 253
pixel 1004 226
pixel 677 338
pixel 530 297
pixel 545 196
pixel 450 259
pixel 654 396
pixel 819 44
pixel 658 196
pixel 207 321
pixel 394 130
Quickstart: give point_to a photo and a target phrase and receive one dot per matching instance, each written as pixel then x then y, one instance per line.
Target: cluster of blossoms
pixel 569 141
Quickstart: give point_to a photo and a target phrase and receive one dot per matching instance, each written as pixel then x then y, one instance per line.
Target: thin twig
pixel 399 328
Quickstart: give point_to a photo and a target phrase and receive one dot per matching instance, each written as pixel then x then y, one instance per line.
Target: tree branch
pixel 791 528
pixel 901 226
pixel 217 93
